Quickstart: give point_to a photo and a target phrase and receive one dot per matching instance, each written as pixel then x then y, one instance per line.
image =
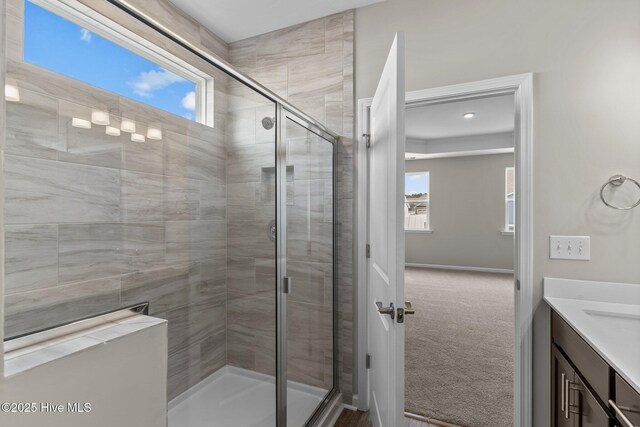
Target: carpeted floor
pixel 459 347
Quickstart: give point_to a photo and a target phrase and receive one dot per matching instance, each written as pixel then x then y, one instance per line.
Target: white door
pixel 386 240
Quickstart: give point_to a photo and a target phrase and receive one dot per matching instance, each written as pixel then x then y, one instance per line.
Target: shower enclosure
pixel 221 218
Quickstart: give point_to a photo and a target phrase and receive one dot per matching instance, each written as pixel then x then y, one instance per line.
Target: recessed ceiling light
pixel 469 115
pixel 112 131
pixel 99 117
pixel 137 137
pixel 80 123
pixel 11 93
pixel 128 125
pixel 154 133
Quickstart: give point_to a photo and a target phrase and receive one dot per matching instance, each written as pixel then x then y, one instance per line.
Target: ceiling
pixel 435 121
pixel 234 20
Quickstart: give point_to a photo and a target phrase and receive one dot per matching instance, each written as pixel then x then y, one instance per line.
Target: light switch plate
pixel 570 247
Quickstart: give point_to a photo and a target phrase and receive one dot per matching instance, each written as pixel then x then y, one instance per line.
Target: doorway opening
pixel 517 228
pixel 459 221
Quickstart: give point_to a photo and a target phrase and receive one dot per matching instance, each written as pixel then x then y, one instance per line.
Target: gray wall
pixel 311 65
pixel 586 59
pixel 467 213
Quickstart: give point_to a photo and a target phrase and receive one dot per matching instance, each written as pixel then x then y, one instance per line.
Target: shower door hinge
pixel 367 139
pixel 368 250
pixel 368 361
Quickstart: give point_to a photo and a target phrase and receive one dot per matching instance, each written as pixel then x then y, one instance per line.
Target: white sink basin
pixel 606 315
pixel 633 317
pixel 629 322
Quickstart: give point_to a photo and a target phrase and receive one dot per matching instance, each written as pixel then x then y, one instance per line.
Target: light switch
pixel 570 247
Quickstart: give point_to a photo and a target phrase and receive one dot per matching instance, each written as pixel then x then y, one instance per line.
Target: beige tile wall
pixel 96 222
pixel 251 255
pixel 311 65
pixel 310 259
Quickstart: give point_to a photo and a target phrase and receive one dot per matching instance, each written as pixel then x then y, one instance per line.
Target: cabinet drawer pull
pixel 562 392
pixel 620 415
pixel 567 407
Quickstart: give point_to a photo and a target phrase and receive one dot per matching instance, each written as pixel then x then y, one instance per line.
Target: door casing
pixel 521 86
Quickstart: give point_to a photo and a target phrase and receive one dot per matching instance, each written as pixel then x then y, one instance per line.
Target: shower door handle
pixel 286 285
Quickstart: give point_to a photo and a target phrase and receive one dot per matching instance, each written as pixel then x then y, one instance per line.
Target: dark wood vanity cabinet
pixel 627 401
pixel 562 374
pixel 585 390
pixel 573 403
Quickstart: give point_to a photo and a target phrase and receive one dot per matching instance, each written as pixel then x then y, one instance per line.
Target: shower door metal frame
pixel 284 114
pixel 227 68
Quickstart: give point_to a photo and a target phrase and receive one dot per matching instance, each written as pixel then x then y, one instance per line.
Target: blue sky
pixel 414 184
pixel 53 42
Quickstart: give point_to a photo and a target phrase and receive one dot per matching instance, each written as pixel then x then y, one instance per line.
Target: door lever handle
pixel 408 308
pixel 391 311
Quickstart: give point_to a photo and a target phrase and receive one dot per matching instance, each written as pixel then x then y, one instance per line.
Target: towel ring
pixel 617 181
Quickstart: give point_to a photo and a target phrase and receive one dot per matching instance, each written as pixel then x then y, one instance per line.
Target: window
pixel 112 58
pixel 416 201
pixel 509 199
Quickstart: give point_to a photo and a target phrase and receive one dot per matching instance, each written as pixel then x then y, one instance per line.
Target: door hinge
pixel 368 250
pixel 518 284
pixel 367 139
pixel 368 361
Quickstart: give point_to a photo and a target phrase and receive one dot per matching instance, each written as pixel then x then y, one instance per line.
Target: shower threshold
pixel 241 398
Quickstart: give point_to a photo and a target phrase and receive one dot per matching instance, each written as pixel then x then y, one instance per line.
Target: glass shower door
pixel 308 212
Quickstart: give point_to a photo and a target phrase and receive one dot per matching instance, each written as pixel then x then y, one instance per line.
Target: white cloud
pixel 149 81
pixel 85 35
pixel 189 101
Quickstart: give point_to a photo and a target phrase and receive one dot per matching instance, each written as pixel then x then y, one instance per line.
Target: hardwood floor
pixel 350 418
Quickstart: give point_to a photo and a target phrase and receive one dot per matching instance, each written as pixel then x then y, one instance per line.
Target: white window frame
pixel 509 228
pixel 79 14
pixel 428 226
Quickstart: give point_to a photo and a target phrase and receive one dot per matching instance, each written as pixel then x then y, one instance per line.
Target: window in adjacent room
pixel 62 39
pixel 509 199
pixel 416 201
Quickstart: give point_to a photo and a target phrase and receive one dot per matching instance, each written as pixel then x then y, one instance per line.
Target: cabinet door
pixel 589 412
pixel 563 376
pixel 628 401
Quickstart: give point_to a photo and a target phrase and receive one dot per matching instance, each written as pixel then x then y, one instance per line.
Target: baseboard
pixel 428 420
pixel 355 403
pixel 460 267
pixel 350 407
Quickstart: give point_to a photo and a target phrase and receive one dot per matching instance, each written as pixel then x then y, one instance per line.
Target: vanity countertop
pixel 606 315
